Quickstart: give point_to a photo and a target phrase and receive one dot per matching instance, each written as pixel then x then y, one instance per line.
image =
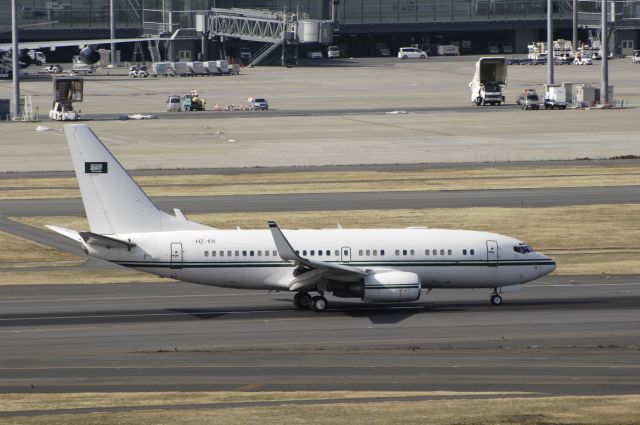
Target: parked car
pixel 411 53
pixel 174 104
pixel 259 103
pixel 314 54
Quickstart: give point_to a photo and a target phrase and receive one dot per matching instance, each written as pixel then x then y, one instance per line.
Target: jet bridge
pixel 275 29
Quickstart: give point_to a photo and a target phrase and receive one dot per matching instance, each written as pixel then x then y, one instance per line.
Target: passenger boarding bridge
pixel 274 29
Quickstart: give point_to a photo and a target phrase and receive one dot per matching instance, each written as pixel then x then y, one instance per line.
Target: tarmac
pixel 346 112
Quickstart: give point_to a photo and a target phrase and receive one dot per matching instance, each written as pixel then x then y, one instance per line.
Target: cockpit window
pixel 522 248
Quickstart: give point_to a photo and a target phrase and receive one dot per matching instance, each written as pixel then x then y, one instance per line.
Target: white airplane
pixel 374 265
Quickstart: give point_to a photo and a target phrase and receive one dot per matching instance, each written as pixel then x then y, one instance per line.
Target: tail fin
pixel 113 201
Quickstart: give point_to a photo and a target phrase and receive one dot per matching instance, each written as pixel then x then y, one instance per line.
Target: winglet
pixel 285 250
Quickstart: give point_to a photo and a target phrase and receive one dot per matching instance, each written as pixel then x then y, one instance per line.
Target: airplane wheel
pixel 302 300
pixel 319 304
pixel 496 299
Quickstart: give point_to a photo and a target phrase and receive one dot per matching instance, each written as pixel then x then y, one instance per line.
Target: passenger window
pixel 382 252
pixel 237 253
pixel 442 252
pixel 304 252
pixel 206 253
pixel 360 253
pixel 275 253
pixel 426 252
pixel 449 252
pixel 375 252
pixel 472 252
pixel 312 252
pixel 464 252
pixel 259 253
pixel 412 252
pixel 297 252
pixel 213 253
pixel 328 253
pixel 368 252
pixel 222 253
pixel 434 252
pixel 251 253
pixel 397 252
pixel 404 252
pixel 244 253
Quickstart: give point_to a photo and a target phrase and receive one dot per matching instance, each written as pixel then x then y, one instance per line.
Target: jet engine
pixel 89 55
pixel 380 287
pixel 391 287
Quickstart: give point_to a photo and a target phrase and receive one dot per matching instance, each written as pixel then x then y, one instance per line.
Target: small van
pixel 411 53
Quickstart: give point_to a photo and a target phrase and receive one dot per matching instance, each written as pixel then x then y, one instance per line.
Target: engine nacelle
pixel 89 55
pixel 391 287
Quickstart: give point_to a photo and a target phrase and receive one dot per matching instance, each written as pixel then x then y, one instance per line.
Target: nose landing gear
pixel 495 299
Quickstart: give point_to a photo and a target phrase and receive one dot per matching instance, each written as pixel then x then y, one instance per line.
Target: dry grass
pixel 352 181
pixel 25 402
pixel 610 410
pixel 33 276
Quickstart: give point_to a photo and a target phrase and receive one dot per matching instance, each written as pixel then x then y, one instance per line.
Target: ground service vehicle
pixel 174 104
pixel 636 56
pixel 63 111
pixel 411 53
pixel 52 69
pixel 333 52
pixel 529 100
pixel 490 76
pixel 138 71
pixel 555 97
pixel 259 103
pixel 193 103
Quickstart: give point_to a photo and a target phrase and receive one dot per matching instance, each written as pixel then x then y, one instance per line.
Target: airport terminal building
pixel 362 27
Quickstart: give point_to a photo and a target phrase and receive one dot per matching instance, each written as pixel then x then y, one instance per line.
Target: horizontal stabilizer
pixel 71 234
pixel 94 239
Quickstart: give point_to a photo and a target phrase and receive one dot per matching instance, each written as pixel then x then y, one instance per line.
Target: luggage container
pixel 211 68
pixel 196 68
pixel 223 67
pixel 180 68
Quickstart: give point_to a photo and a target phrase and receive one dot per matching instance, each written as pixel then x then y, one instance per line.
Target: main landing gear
pixel 303 300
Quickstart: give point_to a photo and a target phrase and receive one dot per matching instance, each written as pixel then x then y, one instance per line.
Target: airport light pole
pixel 604 52
pixel 15 54
pixel 112 24
pixel 574 39
pixel 550 59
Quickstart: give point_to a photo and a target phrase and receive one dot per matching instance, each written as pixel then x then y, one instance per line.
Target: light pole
pixel 15 54
pixel 575 26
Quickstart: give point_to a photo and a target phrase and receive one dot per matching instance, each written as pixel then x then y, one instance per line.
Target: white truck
pixel 490 76
pixel 555 97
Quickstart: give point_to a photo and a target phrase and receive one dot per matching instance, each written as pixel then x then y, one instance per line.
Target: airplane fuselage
pixel 249 259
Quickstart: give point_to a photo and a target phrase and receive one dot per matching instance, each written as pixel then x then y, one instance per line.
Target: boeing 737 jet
pixel 373 265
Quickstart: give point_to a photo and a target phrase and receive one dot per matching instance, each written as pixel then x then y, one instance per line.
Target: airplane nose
pixel 549 267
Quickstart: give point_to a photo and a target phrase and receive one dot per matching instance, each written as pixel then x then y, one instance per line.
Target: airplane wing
pixel 79 43
pixel 286 252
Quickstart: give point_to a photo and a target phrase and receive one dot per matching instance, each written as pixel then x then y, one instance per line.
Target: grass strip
pixel 347 181
pixel 610 410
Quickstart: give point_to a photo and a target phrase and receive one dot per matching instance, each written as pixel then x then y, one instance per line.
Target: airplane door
pixel 492 253
pixel 176 255
pixel 345 254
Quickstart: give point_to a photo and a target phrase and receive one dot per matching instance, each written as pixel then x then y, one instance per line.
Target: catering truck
pixel 490 76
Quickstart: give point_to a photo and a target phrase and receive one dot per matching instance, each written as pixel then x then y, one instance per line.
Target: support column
pixel 604 51
pixel 112 24
pixel 15 55
pixel 574 44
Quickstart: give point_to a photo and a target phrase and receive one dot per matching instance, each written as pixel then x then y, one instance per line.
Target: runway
pixel 553 337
